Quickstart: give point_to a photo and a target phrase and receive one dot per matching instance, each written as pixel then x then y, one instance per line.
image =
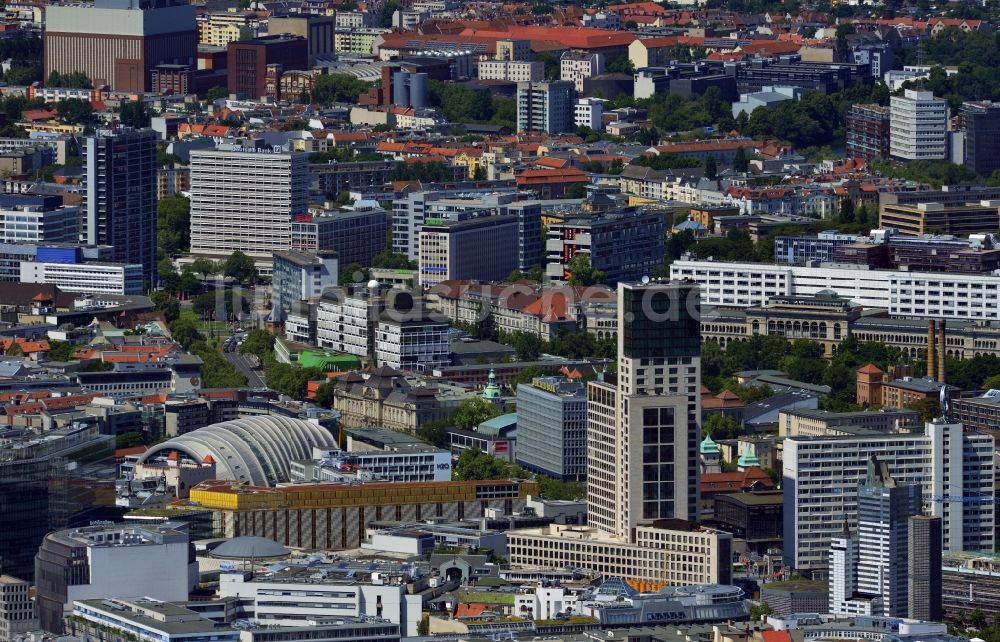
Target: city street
pixel 243 364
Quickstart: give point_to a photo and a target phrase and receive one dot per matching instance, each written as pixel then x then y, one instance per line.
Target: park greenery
pixel 216 371
pixel 582 273
pixel 286 378
pixel 428 171
pixel 475 464
pixel 461 105
pixel 336 88
pixel 801 360
pixel 173 225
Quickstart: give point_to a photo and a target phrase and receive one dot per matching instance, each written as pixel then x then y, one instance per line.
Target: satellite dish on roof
pixel 645 280
pixel 373 284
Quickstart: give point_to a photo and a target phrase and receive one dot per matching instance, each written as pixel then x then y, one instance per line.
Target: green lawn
pixel 220 329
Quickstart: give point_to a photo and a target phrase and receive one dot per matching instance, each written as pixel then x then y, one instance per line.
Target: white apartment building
pixel 844 558
pixel 589 112
pixel 284 599
pixel 299 326
pixel 918 126
pixel 91 278
pixel 411 343
pixel 750 284
pixel 944 295
pixel 512 70
pixel 359 41
pixel 355 19
pixel 919 294
pixel 244 199
pixel 575 66
pixel 822 474
pixel 346 323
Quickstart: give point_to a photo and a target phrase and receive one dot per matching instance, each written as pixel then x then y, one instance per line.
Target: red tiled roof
pixel 555 163
pixel 734 482
pixel 770 47
pixel 134 450
pixel 664 41
pixel 653 8
pixel 38 115
pixel 776 636
pixel 544 176
pixel 34 346
pixel 707 146
pixel 470 610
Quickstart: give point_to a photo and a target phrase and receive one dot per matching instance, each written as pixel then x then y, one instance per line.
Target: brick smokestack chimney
pixel 931 350
pixel 941 351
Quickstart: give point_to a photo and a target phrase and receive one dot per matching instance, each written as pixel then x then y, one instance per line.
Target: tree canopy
pixel 337 88
pixel 462 105
pixel 134 113
pixel 474 411
pixel 581 272
pixel 72 80
pixel 173 225
pixel 239 267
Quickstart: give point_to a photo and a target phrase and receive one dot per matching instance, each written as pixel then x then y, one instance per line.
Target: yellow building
pixel 52 127
pixel 470 161
pixel 513 50
pixel 335 516
pixel 222 27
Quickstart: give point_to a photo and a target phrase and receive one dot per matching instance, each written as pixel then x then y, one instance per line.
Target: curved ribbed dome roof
pixel 249 546
pixel 254 449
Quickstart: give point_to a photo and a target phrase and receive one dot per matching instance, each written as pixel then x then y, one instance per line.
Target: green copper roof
pixel 748 459
pixel 709 447
pixel 492 390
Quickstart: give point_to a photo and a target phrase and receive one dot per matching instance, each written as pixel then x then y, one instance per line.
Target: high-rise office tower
pixel 643 428
pixel 924 570
pixel 244 199
pixel 884 510
pixel 120 196
pixel 642 460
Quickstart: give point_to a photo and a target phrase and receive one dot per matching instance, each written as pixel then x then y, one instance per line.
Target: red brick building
pixel 248 61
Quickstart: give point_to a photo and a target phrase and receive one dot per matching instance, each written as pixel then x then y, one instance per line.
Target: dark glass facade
pixel 24 504
pixel 120 196
pixel 661 321
pixel 658 463
pixel 982 136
